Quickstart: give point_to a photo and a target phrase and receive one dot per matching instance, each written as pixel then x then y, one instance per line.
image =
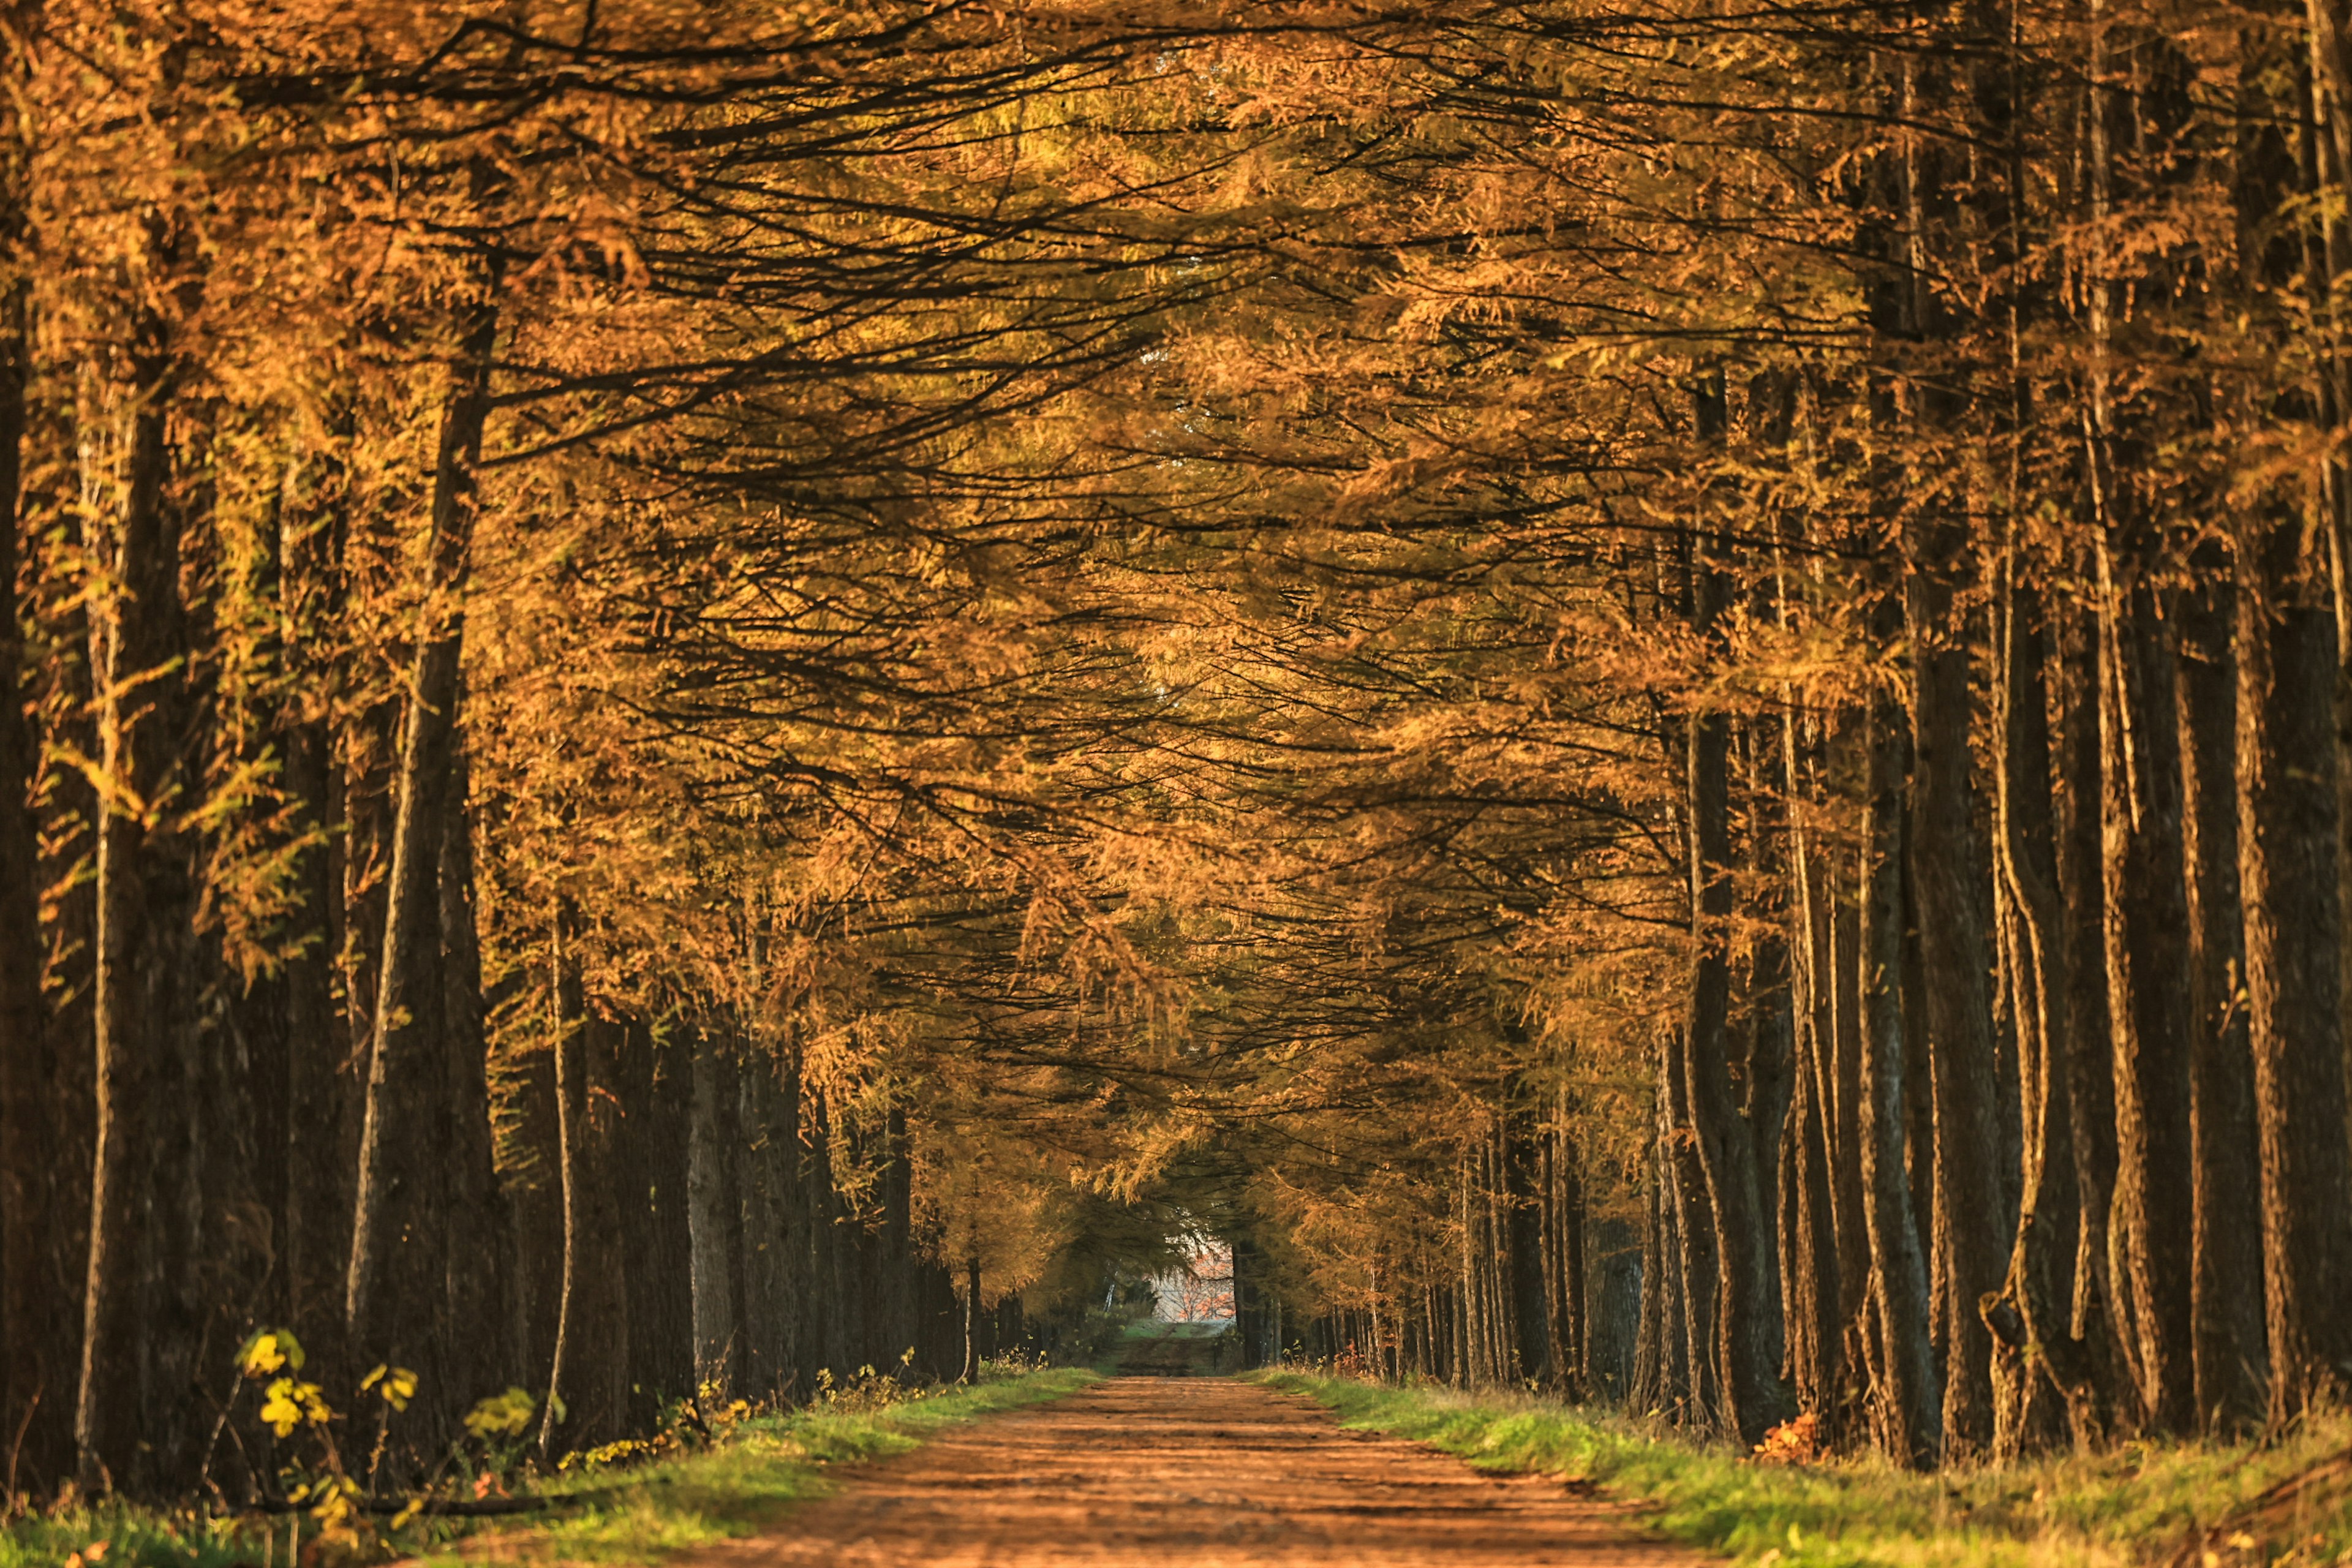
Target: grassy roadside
pixel 2131 1505
pixel 737 1486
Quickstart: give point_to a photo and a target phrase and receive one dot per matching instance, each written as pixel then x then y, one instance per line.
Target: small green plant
pixel 867 1389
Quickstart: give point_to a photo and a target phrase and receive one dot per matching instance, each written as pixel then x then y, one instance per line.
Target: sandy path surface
pixel 1191 1473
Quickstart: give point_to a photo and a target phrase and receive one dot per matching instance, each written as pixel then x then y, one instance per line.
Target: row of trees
pixel 368 970
pixel 1870 495
pixel 1651 698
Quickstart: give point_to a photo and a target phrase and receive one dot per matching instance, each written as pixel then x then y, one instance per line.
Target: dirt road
pixel 1191 1473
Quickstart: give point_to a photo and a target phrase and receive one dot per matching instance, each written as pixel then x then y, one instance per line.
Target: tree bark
pixel 1751 1398
pixel 2288 847
pixel 589 1381
pixel 393 1291
pixel 323 1086
pixel 1907 1400
pixel 38 1334
pixel 135 1404
pixel 2148 989
pixel 970 1373
pixel 2226 1301
pixel 715 1231
pixel 477 1276
pixel 2043 1387
pixel 1947 865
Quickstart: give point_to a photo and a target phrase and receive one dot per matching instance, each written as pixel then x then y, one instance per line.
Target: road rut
pixel 1196 1472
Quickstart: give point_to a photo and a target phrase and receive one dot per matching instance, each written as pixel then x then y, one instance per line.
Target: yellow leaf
pixel 504 1415
pixel 259 1356
pixel 279 1408
pixel 399 1386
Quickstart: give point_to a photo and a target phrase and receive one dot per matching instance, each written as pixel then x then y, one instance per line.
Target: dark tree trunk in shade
pixel 589 1381
pixel 1808 1218
pixel 1560 1245
pixel 322 1087
pixel 2148 990
pixel 1948 872
pixel 2086 1052
pixel 2288 830
pixel 136 1401
pixel 394 1291
pixel 2226 1299
pixel 1524 1203
pixel 1692 1263
pixel 1742 1350
pixel 767 1141
pixel 478 1277
pixel 532 1177
pixel 1768 1068
pixel 649 1178
pixel 2042 1384
pixel 714 1229
pixel 1909 1404
pixel 39 1334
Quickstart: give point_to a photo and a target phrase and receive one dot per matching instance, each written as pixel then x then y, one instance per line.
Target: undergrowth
pixel 624 1507
pixel 2134 1504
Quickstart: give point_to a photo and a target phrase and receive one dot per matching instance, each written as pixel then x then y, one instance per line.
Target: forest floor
pixel 1209 1472
pixel 1074 1470
pixel 633 1512
pixel 2284 1504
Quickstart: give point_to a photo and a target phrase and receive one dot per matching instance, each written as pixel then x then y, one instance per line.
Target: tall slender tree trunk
pixel 2087 1054
pixel 2287 833
pixel 970 1373
pixel 589 1381
pixel 2148 989
pixel 1811 1265
pixel 1743 1348
pixel 1560 1183
pixel 2041 1373
pixel 2226 1302
pixel 1947 865
pixel 135 1404
pixel 38 1334
pixel 477 1277
pixel 1908 1401
pixel 714 1229
pixel 398 1263
pixel 321 1086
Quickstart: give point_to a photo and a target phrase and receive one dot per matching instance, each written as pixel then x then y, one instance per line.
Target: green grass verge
pixel 736 1486
pixel 2126 1505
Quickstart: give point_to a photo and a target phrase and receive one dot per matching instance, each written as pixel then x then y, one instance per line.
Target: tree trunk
pixel 1947 865
pixel 589 1381
pixel 715 1230
pixel 2226 1303
pixel 1742 1348
pixel 2287 833
pixel 2147 991
pixel 1907 1400
pixel 1561 1186
pixel 477 1277
pixel 392 1293
pixel 38 1333
pixel 1809 1269
pixel 2041 1375
pixel 321 1087
pixel 970 1373
pixel 140 1324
